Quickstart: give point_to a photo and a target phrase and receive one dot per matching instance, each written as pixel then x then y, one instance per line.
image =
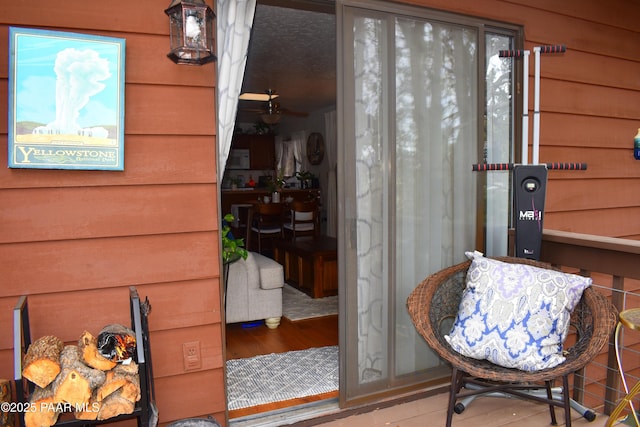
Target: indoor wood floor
pixel 245 342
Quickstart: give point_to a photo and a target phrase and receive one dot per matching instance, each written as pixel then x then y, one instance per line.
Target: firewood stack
pixel 80 379
pixel 6 417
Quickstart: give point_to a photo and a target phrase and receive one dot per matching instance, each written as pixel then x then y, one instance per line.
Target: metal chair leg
pixel 453 393
pixel 567 401
pixel 552 410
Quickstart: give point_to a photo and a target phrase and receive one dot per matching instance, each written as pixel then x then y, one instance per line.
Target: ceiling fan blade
pixel 271 107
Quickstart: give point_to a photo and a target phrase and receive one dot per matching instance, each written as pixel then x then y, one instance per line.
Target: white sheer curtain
pixel 290 153
pixel 234 20
pixel 421 175
pixel 371 216
pixel 299 150
pixel 436 144
pixel 281 153
pixel 332 187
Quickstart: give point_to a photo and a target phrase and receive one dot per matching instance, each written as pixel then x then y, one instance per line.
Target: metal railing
pixel 614 266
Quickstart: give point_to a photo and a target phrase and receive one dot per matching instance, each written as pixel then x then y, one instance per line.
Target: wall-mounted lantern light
pixel 191 32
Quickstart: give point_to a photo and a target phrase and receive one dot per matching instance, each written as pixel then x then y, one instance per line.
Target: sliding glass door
pixel 411 105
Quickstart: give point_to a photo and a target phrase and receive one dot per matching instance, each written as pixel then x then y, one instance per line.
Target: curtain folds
pixel 235 18
pixel 280 152
pixel 297 144
pixel 418 179
pixel 290 153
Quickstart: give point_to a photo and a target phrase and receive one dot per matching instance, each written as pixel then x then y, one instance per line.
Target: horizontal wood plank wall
pixel 74 241
pixel 589 103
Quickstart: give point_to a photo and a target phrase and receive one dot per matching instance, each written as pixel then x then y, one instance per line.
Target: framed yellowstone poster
pixel 66 100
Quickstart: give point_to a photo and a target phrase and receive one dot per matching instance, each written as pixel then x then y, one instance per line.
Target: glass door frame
pixel 352 393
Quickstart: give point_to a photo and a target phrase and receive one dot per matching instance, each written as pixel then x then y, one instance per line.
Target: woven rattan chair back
pixel 433 306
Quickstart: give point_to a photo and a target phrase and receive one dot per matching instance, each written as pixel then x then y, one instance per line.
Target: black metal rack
pixel 529 190
pixel 145 410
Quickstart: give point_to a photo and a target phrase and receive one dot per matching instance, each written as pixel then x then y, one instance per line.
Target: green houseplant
pixel 232 249
pixel 305 178
pixel 280 183
pixel 275 184
pixel 272 187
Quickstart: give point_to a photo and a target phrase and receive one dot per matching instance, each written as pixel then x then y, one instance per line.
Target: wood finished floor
pixel 289 336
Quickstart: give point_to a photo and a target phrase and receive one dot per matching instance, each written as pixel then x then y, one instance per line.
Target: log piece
pixel 131 390
pixel 90 411
pixel 6 418
pixel 41 363
pixel 123 375
pixel 76 380
pixel 44 410
pixel 5 390
pixel 115 404
pixel 90 354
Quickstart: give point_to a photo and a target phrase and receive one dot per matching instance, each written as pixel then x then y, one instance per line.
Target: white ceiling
pixel 293 52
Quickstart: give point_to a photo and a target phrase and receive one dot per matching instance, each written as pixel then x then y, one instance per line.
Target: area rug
pixel 281 376
pixel 297 305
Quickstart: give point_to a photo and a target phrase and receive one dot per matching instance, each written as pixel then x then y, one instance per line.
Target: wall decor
pixel 315 148
pixel 66 100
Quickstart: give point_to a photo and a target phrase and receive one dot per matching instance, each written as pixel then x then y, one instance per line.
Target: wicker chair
pixel 433 306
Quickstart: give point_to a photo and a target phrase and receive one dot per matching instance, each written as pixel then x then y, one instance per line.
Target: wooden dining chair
pixel 265 223
pixel 303 220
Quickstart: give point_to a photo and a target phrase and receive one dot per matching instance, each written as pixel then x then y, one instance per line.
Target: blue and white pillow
pixel 515 315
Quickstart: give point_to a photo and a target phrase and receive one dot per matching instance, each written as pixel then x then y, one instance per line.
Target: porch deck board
pixel 483 412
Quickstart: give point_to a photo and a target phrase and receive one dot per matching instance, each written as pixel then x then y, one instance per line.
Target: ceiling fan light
pixel 264 97
pixel 270 119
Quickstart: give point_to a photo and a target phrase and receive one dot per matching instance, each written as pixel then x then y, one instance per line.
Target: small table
pixel 629 319
pixel 310 264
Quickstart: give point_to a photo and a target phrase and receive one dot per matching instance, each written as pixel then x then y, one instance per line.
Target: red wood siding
pixel 74 241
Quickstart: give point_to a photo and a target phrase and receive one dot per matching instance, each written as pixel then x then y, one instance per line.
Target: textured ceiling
pixel 293 52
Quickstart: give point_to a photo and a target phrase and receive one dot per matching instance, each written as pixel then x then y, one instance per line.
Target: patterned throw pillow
pixel 515 315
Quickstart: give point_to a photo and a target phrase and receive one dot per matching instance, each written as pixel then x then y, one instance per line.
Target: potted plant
pixel 235 182
pixel 305 178
pixel 232 249
pixel 277 184
pixel 271 185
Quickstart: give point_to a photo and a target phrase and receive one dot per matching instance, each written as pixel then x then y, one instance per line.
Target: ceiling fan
pixel 272 111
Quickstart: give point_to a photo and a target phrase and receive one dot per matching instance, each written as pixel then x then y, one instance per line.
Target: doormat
pixel 297 305
pixel 281 376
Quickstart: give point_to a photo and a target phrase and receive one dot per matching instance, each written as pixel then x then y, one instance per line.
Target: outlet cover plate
pixel 191 356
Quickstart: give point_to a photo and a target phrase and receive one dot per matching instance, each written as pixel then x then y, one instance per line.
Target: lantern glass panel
pixel 191 27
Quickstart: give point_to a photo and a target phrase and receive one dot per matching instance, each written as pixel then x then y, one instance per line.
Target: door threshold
pixel 288 416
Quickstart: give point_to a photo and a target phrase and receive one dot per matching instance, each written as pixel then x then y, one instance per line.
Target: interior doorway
pixel 292 53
